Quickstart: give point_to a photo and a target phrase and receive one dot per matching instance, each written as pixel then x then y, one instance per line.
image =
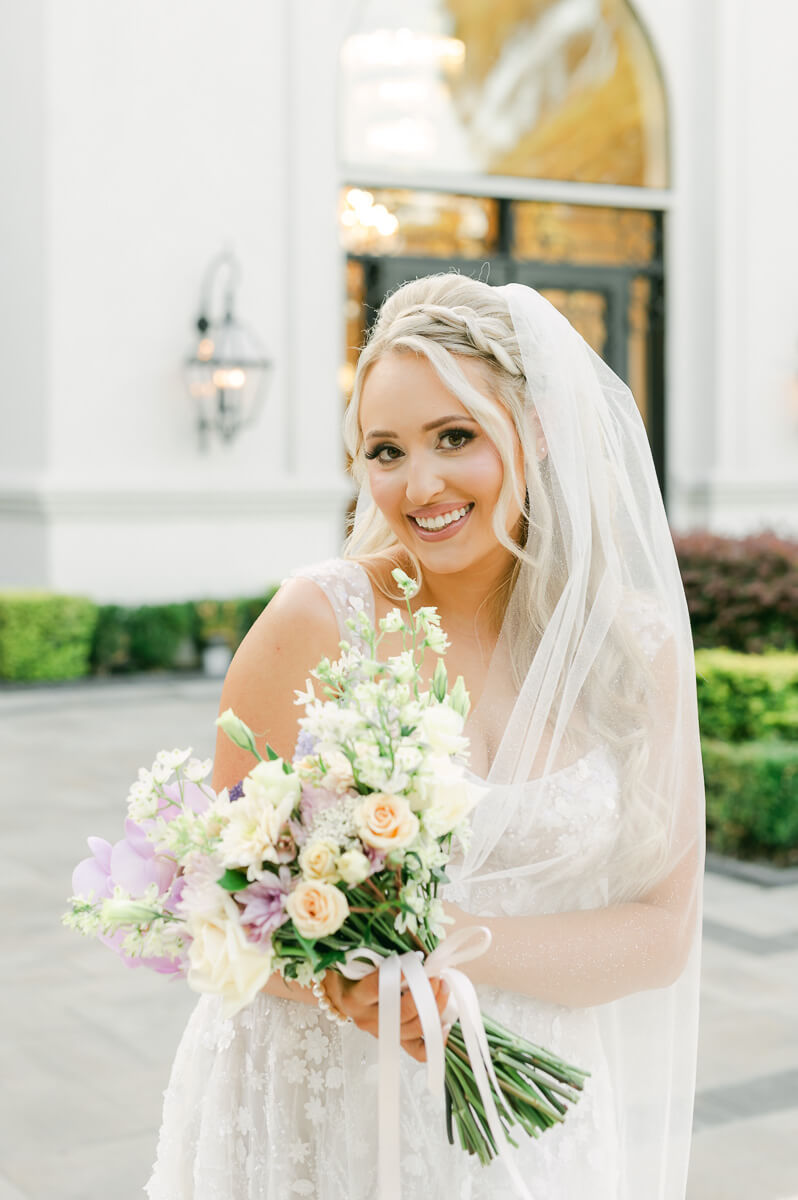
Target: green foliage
pixel 229 620
pixel 752 799
pixel 741 592
pixel 110 649
pixel 45 636
pixel 747 697
pixel 156 632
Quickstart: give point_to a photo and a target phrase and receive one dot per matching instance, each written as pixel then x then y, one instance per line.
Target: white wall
pixel 143 139
pixel 172 130
pixel 752 477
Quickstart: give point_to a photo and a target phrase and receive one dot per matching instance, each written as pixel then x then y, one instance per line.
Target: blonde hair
pixel 445 315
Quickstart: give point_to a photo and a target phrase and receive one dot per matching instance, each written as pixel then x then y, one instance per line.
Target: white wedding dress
pixel 280 1103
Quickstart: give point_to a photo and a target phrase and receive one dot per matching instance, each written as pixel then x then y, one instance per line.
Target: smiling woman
pixel 507 468
pixel 437 477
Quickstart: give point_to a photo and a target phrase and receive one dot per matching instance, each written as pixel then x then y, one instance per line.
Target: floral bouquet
pixel 323 862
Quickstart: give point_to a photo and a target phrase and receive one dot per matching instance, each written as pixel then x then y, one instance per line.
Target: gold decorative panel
pixel 542 89
pixel 576 233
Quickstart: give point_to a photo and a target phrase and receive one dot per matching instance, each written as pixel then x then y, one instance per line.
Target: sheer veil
pixel 593 670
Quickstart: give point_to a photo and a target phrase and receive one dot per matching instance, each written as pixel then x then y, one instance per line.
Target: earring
pixel 543 451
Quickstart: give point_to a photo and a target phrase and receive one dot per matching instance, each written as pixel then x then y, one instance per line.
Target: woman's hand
pixel 360 1000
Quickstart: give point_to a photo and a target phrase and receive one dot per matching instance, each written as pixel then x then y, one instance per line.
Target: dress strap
pixel 342 580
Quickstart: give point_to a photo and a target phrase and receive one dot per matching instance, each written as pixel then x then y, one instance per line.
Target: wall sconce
pixel 228 372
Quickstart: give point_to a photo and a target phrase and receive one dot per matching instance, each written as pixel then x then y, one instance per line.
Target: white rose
pixel 223 962
pixel 442 727
pixel 450 802
pixel 386 822
pixel 317 908
pixel 269 784
pixel 353 867
pixel 317 860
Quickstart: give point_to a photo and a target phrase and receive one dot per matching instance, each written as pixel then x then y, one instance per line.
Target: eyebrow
pixel 373 433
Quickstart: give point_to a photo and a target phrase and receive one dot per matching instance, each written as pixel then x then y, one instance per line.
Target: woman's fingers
pixel 360 1001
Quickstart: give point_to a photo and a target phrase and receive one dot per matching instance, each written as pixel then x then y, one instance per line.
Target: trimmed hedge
pixel 747 697
pixel 169 636
pixel 45 636
pixel 752 799
pixel 741 592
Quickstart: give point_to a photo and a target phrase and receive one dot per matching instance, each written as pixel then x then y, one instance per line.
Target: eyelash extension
pixel 466 434
pixel 377 451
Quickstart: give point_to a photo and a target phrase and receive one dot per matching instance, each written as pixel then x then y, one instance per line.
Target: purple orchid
pixel 134 863
pixel 264 905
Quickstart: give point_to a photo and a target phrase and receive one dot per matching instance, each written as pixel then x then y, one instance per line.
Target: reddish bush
pixel 741 592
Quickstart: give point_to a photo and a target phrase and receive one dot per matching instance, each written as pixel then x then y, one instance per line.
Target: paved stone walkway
pixel 86 1045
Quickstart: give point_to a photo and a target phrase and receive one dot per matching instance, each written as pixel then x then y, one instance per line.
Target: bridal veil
pixel 594 660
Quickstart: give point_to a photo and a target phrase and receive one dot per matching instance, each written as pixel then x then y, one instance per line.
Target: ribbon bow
pixel 459 947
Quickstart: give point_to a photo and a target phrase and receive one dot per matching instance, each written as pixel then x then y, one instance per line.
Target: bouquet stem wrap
pixel 459 947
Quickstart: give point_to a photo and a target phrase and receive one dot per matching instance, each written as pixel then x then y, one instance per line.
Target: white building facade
pixel 138 142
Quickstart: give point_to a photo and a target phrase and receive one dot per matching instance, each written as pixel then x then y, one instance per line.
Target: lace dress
pixel 278 1102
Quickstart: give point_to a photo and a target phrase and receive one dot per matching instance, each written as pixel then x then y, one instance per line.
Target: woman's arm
pixel 295 630
pixel 589 957
pixel 292 634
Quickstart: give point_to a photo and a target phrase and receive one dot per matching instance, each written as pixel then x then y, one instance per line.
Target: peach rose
pixel 317 908
pixel 386 822
pixel 317 860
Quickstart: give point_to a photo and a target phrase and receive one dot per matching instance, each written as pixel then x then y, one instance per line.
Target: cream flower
pixel 317 860
pixel 268 784
pixel 252 833
pixel 317 908
pixel 442 726
pixel 450 802
pixel 353 867
pixel 225 963
pixel 338 775
pixel 386 822
pixel 392 622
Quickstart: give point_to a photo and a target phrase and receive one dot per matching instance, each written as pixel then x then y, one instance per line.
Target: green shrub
pixel 250 608
pixel 747 697
pixel 110 649
pixel 230 620
pixel 752 799
pixel 35 645
pixel 217 620
pixel 741 592
pixel 156 632
pixel 45 636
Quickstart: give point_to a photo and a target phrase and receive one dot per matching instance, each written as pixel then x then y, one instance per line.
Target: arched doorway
pixel 523 143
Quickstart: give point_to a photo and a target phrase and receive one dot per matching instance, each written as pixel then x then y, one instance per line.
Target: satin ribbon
pixel 459 947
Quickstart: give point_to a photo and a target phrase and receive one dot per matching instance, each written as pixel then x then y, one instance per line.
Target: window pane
pixel 574 233
pixel 388 221
pixel 587 312
pixel 543 89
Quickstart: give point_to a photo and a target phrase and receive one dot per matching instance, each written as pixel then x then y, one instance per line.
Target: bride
pixel 506 467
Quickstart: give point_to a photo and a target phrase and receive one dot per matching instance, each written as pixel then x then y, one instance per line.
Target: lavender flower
pixel 305 744
pixel 315 800
pixel 264 905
